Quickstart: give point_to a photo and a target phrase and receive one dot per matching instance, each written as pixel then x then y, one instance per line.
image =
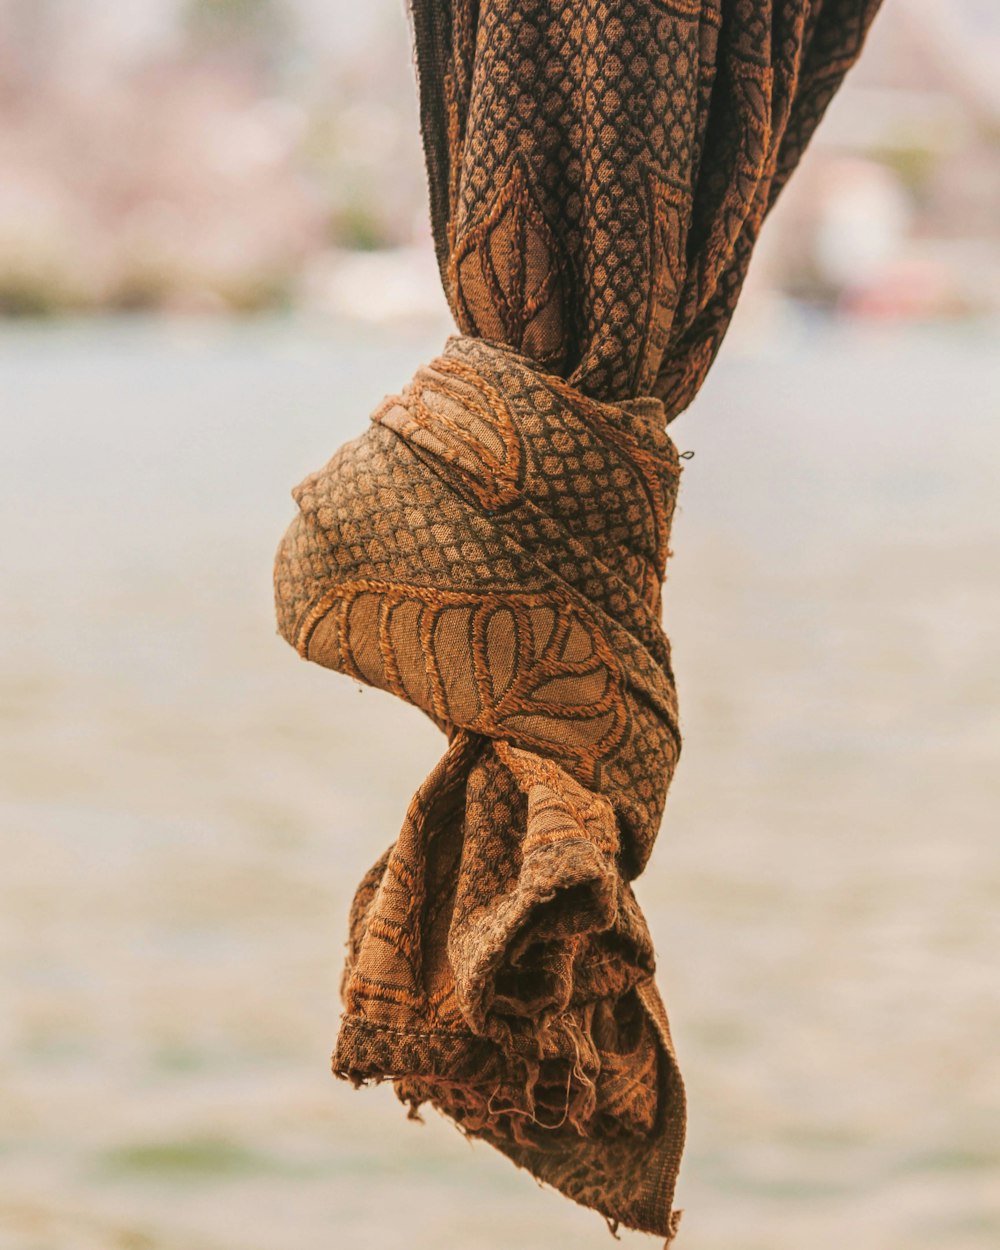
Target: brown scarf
pixel 492 549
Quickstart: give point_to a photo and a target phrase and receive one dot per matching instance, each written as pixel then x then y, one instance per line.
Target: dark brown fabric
pixel 492 549
pixel 600 168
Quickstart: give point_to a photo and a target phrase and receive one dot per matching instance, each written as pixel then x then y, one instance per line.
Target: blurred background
pixel 214 261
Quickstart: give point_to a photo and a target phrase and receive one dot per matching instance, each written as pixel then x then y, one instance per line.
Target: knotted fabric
pixel 492 549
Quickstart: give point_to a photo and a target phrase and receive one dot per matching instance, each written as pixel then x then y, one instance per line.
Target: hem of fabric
pixel 369 1052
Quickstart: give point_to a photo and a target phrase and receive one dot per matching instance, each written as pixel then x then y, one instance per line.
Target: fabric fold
pixel 493 548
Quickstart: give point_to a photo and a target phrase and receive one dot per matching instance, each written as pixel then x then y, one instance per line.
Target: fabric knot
pixel 492 550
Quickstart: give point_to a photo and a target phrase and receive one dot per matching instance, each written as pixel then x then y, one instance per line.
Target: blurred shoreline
pixel 238 156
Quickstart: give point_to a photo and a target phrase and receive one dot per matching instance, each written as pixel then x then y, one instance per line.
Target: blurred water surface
pixel 186 807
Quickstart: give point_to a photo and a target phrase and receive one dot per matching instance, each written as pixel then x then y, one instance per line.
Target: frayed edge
pixel 673 1220
pixel 483 1110
pixel 357 1079
pixel 673 1224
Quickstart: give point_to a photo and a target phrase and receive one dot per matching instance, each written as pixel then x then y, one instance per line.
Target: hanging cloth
pixel 492 549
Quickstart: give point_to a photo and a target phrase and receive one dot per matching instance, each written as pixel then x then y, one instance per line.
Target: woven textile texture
pixel 492 549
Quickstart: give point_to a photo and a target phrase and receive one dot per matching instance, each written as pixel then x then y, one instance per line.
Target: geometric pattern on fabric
pixel 492 550
pixel 600 169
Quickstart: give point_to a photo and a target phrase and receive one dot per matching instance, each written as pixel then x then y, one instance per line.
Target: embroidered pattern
pixel 493 550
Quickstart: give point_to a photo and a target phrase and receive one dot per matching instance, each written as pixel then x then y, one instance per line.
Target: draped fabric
pixel 492 549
